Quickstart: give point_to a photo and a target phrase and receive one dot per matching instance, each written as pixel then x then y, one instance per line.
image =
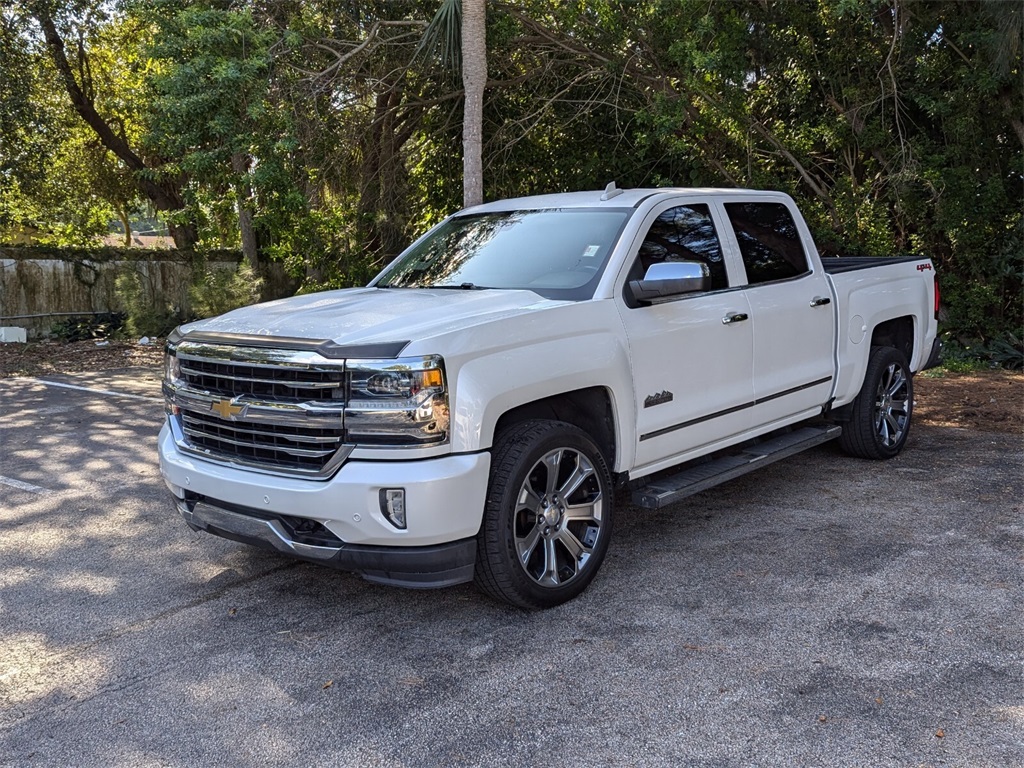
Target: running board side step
pixel 694 479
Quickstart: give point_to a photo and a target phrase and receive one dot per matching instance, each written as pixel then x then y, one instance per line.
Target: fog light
pixel 392 506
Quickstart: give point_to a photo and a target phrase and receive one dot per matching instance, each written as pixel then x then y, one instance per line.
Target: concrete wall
pixel 39 285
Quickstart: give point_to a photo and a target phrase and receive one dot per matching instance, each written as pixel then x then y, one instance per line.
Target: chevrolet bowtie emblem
pixel 226 409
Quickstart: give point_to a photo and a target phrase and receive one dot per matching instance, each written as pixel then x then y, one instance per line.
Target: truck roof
pixel 622 198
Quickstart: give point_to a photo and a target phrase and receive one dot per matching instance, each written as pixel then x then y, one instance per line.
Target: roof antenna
pixel 611 191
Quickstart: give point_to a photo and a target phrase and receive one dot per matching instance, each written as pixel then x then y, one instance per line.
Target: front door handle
pixel 735 317
pixel 819 301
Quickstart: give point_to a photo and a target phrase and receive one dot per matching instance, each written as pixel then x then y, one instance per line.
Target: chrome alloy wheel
pixel 557 520
pixel 892 405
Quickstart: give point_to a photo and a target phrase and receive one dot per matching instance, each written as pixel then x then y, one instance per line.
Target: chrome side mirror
pixel 671 278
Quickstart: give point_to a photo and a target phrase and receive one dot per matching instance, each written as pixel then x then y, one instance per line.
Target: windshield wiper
pixel 459 287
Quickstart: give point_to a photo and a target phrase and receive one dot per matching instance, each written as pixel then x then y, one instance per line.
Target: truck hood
pixel 373 315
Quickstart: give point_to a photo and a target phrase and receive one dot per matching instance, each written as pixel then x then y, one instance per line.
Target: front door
pixel 692 356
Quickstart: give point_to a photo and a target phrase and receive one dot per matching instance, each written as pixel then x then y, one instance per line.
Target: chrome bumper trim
pixel 202 516
pixel 437 565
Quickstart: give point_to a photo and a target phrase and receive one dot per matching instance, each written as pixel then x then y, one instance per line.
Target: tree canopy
pixel 327 134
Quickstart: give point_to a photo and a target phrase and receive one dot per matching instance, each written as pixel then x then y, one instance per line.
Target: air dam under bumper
pixel 444 501
pixel 441 565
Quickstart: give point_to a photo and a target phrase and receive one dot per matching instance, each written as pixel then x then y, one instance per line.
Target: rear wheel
pixel 548 515
pixel 880 419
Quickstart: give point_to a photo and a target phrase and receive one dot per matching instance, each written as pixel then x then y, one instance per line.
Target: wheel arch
pixel 590 409
pixel 898 333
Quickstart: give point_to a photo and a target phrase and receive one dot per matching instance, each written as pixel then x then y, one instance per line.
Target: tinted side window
pixel 683 233
pixel 769 242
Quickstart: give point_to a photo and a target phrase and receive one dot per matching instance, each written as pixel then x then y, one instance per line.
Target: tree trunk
pixel 127 224
pixel 370 183
pixel 185 236
pixel 165 194
pixel 474 79
pixel 243 192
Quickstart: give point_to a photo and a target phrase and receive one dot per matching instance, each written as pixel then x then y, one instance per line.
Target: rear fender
pixel 906 297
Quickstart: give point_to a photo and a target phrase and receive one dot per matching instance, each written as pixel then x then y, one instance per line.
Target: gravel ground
pixel 823 611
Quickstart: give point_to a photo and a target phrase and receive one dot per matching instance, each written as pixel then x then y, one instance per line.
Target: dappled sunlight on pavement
pixel 823 611
pixel 35 673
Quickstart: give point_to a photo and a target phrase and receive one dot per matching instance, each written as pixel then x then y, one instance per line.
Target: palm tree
pixel 458 31
pixel 474 79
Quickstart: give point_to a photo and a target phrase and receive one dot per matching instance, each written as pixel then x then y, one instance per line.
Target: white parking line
pixel 94 391
pixel 22 486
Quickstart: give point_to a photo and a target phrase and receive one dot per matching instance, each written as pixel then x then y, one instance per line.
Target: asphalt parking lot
pixel 822 612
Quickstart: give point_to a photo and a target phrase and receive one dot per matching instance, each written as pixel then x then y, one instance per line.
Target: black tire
pixel 881 414
pixel 548 515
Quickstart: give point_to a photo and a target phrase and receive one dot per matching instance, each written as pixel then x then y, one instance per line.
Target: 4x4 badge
pixel 226 409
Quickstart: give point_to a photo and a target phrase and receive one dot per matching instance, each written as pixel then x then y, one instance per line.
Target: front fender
pixel 492 384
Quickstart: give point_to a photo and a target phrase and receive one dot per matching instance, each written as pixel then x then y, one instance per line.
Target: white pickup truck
pixel 472 412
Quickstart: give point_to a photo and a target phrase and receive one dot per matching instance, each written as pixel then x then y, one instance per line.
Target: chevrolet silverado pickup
pixel 473 412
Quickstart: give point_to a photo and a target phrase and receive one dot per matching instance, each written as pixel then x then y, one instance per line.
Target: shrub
pixel 218 291
pixel 88 327
pixel 143 316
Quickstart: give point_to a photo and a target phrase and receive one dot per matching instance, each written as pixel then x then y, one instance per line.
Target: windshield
pixel 557 253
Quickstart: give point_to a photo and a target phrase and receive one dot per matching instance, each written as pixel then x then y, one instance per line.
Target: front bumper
pixel 444 507
pixel 441 565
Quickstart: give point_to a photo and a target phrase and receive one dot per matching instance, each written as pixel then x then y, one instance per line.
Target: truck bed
pixel 836 264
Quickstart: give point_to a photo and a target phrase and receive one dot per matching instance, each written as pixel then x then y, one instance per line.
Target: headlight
pixel 172 368
pixel 401 402
pixel 172 373
pixel 400 383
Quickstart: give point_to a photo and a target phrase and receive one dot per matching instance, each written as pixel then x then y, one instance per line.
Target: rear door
pixel 791 311
pixel 692 355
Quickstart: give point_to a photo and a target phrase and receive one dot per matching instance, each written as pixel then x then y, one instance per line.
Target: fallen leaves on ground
pixel 989 401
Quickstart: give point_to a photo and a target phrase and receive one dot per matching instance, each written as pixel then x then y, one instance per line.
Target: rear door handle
pixel 735 317
pixel 819 301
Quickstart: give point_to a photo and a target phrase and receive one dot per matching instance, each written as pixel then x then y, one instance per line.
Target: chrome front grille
pixel 290 384
pixel 280 411
pixel 298 448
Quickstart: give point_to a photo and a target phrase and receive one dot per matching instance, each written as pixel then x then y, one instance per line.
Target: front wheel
pixel 880 419
pixel 548 515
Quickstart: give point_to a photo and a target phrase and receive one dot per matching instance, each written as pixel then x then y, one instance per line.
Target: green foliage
pixel 898 127
pixel 442 37
pixel 1004 351
pixel 208 86
pixel 57 183
pixel 206 107
pixel 145 316
pixel 218 291
pixel 89 327
pixel 1007 351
